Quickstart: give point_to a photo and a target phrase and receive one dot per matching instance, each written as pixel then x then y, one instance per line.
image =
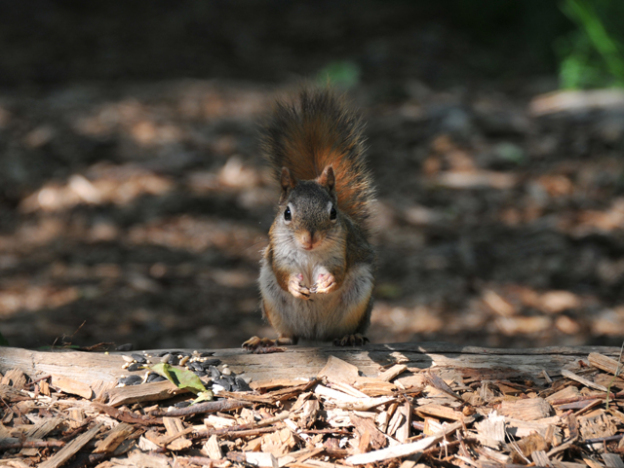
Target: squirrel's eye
pixel 332 213
pixel 287 214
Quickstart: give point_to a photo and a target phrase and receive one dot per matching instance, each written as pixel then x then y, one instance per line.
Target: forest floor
pixel 134 203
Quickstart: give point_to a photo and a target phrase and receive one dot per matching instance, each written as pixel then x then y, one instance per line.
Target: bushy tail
pixel 316 131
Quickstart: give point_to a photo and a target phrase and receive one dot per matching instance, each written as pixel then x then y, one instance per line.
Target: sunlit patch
pixel 144 122
pixel 32 234
pixel 39 136
pixel 116 185
pixel 609 322
pixel 567 325
pixel 498 304
pixel 512 299
pixel 206 99
pixel 556 185
pixel 197 235
pixel 234 175
pixel 404 322
pixel 230 278
pixel 557 301
pixel 148 133
pixel 476 179
pixel 512 326
pixel 601 221
pixel 18 296
pixel 82 272
pixel 252 186
pixel 5 117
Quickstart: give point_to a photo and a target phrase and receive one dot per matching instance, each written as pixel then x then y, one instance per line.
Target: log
pixel 480 363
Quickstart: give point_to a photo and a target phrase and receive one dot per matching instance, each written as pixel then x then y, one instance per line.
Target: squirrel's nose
pixel 307 239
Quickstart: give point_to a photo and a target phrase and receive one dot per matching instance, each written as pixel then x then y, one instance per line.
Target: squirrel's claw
pixel 351 340
pixel 297 289
pixel 326 283
pixel 256 343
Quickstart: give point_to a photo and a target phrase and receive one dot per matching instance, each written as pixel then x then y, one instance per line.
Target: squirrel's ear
pixel 287 180
pixel 327 179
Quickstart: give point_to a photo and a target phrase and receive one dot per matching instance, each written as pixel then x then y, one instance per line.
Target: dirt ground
pixel 134 204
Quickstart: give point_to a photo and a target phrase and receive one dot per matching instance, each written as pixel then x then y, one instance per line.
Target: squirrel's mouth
pixel 309 247
pixel 309 241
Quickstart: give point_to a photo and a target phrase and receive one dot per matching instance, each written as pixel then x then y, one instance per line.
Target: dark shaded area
pixel 48 43
pixel 133 199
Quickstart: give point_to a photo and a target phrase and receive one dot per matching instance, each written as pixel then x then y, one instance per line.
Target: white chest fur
pixel 323 316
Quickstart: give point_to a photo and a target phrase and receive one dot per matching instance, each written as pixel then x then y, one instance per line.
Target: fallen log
pixel 305 362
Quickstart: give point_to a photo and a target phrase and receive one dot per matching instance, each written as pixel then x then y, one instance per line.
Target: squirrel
pixel 316 277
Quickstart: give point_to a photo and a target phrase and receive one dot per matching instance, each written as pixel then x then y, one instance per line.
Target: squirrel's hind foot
pixel 355 339
pixel 256 342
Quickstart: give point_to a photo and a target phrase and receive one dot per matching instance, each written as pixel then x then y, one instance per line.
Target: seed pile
pixel 201 364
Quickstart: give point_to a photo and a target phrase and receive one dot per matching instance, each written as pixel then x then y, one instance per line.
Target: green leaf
pixel 510 152
pixel 181 378
pixel 342 74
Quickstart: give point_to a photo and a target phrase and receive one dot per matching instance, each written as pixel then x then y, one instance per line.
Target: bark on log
pixel 484 363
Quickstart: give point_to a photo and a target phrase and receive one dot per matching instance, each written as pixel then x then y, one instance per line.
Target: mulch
pixel 403 417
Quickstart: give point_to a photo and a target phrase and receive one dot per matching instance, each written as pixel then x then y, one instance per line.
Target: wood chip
pixel 402 432
pixel 376 439
pixel 279 442
pixel 441 385
pixel 540 458
pixel 373 387
pixel 532 443
pixel 337 370
pixel 588 383
pixel 605 363
pixel 563 394
pixel 491 430
pixel 520 428
pixel 153 391
pixel 38 432
pixel 114 438
pixel 266 385
pixel 612 460
pixel 212 449
pixel 260 459
pixel 71 448
pixel 526 410
pixel 15 378
pixel 596 424
pixel 392 373
pixel 440 411
pixel 344 401
pixel 175 428
pixel 73 387
pixel 398 451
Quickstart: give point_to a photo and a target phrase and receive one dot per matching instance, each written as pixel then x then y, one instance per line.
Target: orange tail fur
pixel 316 131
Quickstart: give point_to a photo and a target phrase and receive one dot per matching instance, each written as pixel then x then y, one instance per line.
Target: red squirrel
pixel 316 277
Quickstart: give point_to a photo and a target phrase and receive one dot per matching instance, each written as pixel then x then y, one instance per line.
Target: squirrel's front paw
pixel 297 288
pixel 325 283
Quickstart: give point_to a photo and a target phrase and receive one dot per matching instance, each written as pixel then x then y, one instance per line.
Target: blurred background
pixel 134 204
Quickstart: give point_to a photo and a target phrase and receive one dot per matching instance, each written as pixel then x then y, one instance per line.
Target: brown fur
pixel 315 132
pixel 281 275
